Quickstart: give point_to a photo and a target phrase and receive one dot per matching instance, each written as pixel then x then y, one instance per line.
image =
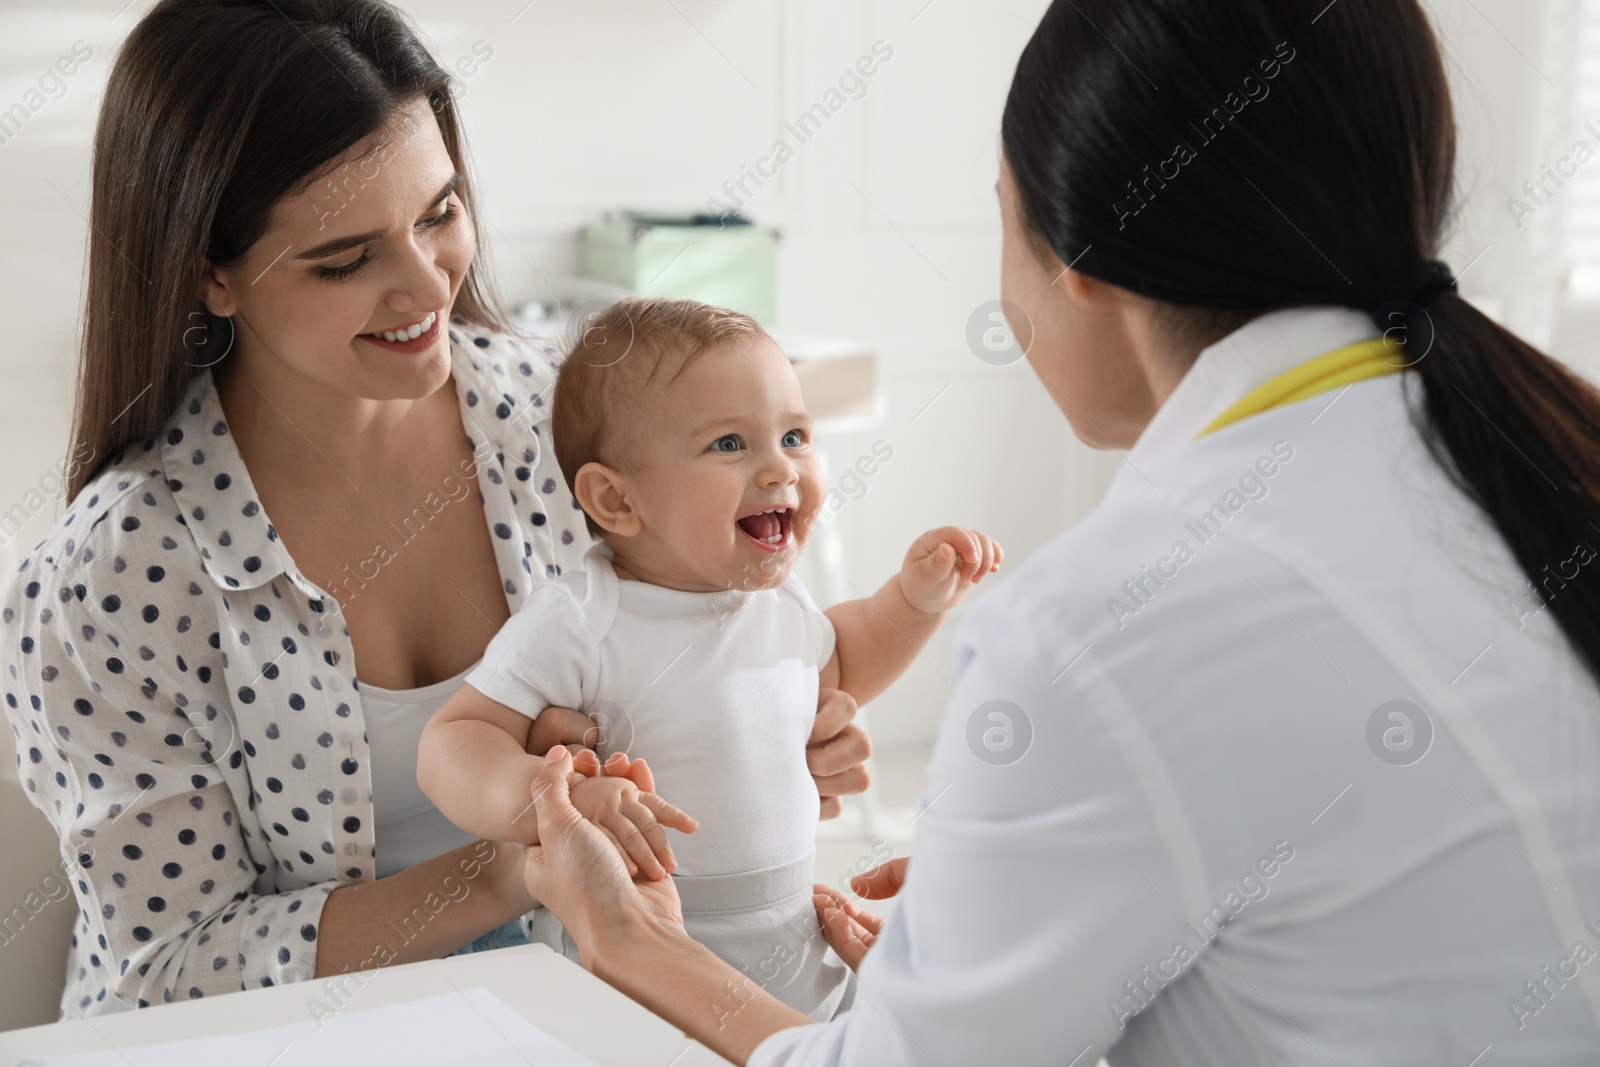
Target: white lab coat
pixel 1212 746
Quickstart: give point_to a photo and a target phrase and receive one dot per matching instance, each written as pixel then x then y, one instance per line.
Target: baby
pixel 682 433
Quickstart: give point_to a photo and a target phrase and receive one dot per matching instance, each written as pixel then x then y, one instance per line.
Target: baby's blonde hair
pixel 613 363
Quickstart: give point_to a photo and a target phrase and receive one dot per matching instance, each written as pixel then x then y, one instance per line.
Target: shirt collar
pixel 217 501
pixel 1252 355
pixel 239 548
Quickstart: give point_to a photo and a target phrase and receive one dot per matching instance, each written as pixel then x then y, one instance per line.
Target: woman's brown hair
pixel 215 110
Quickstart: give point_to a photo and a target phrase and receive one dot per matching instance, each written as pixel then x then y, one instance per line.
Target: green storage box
pixel 732 264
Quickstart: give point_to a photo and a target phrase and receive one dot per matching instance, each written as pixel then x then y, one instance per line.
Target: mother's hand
pixel 576 872
pixel 837 751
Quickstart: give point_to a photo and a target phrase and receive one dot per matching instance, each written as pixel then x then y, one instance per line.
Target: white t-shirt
pixel 718 691
pixel 408 828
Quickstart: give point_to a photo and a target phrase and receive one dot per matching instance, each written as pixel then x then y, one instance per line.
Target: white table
pixel 551 992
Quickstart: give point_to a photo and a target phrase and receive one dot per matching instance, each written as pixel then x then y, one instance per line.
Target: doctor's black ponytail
pixel 1230 159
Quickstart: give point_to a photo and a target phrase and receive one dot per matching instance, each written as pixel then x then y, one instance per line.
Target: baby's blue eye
pixel 793 439
pixel 726 443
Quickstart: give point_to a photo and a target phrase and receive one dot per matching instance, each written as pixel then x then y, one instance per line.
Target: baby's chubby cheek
pixel 805 525
pixel 813 493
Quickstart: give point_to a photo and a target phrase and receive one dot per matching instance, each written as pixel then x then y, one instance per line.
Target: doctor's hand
pixel 577 872
pixel 849 928
pixel 837 751
pixel 943 564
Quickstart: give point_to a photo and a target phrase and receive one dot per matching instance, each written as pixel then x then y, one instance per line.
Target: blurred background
pixel 879 227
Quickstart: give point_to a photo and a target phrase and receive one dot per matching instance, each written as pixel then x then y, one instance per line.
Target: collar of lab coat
pixel 1253 354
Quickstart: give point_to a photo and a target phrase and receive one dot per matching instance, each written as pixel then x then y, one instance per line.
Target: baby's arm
pixel 473 764
pixel 877 638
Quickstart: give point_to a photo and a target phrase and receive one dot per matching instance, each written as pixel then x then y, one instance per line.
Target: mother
pixel 1288 753
pixel 316 479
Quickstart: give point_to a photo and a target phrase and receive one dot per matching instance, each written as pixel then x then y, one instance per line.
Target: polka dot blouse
pixel 185 700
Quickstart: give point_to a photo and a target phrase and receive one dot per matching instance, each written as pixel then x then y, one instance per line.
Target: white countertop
pixel 549 991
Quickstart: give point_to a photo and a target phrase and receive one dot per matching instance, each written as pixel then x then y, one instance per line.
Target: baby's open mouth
pixel 769 529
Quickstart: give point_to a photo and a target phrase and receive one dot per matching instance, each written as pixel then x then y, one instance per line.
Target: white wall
pixel 1509 65
pixel 890 229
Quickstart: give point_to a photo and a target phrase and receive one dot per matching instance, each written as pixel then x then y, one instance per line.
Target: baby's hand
pixel 633 819
pixel 944 563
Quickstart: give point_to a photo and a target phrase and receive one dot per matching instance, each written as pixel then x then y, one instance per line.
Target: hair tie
pixel 1425 280
pixel 1401 317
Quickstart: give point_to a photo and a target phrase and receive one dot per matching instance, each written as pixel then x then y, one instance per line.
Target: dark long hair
pixel 1318 145
pixel 214 111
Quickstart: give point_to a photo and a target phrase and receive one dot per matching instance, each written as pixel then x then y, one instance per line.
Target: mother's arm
pixel 168 867
pixel 466 892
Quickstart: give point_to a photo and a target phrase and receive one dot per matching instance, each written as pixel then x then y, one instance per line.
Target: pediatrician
pixel 1288 754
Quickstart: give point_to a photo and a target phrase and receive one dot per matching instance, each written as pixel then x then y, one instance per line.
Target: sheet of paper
pixel 472 1026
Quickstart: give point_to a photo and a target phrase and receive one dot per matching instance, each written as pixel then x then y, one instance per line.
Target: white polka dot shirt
pixel 185 700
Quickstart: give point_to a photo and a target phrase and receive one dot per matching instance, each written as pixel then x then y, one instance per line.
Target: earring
pixel 203 327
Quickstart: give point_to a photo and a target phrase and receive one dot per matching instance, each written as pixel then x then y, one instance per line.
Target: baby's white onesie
pixel 717 691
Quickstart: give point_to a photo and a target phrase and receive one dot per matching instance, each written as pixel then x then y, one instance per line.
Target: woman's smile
pixel 418 336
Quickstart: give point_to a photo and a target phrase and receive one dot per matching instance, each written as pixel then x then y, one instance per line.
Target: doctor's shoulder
pixel 1080 588
pixel 1076 567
